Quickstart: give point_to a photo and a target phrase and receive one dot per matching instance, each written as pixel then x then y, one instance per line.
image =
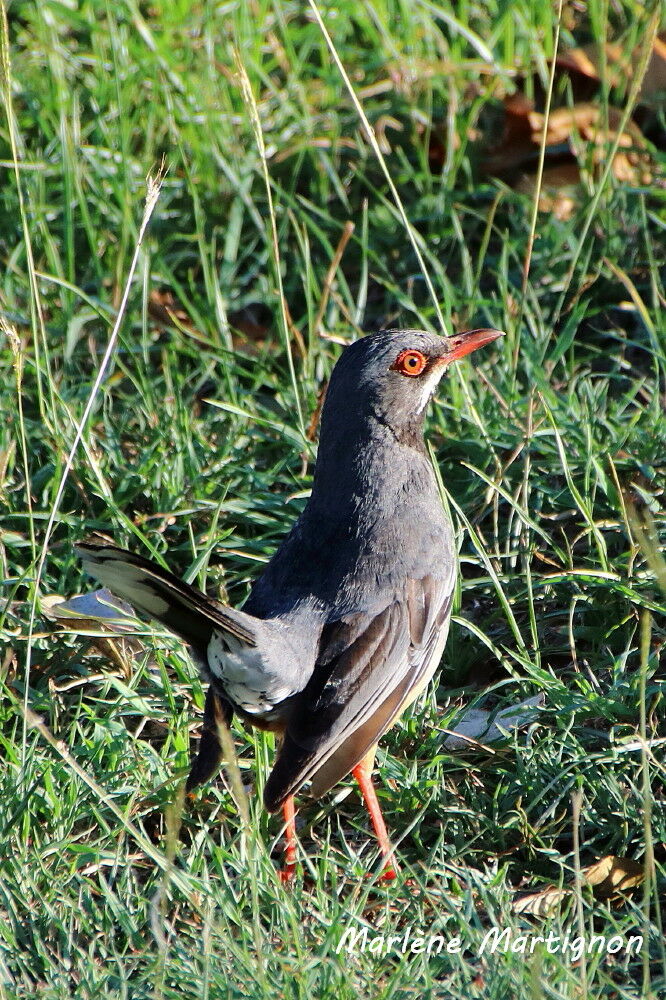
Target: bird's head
pixel 391 375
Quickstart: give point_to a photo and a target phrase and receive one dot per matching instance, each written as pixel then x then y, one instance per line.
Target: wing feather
pixel 368 665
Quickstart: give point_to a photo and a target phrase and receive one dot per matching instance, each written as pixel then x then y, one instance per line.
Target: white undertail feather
pixel 245 676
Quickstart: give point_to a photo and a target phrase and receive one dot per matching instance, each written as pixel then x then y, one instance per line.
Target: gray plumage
pixel 348 620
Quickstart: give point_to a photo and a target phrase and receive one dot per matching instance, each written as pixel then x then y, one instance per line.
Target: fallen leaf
pixel 515 143
pixel 611 877
pixel 653 88
pixel 478 727
pixel 587 122
pixel 559 194
pixel 166 312
pixel 541 904
pixel 589 60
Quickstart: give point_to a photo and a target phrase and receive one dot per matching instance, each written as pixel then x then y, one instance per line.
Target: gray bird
pixel 348 621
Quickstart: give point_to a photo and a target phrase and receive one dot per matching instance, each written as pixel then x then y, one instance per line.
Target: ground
pixel 283 228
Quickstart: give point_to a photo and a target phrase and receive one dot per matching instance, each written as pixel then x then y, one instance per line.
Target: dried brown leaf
pixel 610 878
pixel 541 904
pixel 612 875
pixel 589 60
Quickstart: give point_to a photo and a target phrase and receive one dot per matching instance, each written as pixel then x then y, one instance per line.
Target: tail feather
pixel 155 592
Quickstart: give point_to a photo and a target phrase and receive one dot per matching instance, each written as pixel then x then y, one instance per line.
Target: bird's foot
pixel 287 874
pixel 389 874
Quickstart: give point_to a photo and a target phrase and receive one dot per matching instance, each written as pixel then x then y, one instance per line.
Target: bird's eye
pixel 410 363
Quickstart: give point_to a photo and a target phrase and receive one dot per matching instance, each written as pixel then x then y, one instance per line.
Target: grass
pixel 194 452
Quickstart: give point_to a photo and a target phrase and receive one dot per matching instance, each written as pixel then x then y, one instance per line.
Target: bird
pixel 347 622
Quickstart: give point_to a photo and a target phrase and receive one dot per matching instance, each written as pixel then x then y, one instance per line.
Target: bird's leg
pixel 287 873
pixel 363 774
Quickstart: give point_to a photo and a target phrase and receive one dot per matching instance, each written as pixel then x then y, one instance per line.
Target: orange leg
pixel 363 774
pixel 288 813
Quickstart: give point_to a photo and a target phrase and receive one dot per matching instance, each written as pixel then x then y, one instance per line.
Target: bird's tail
pixel 155 592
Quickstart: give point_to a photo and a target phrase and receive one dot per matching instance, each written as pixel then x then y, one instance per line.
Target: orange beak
pixel 464 343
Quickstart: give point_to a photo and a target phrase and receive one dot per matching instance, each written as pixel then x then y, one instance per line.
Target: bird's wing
pixel 368 665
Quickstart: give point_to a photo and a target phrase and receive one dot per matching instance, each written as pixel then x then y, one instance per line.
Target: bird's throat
pixel 371 469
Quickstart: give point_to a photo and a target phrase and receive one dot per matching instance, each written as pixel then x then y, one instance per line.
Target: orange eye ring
pixel 410 362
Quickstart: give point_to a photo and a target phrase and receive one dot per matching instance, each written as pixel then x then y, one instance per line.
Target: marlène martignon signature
pixel 506 941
